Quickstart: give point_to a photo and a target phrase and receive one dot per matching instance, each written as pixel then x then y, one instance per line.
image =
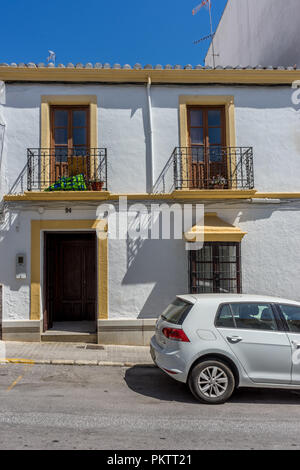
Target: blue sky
pixel 155 32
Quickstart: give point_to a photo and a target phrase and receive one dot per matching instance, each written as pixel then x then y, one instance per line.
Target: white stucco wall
pixel 265 119
pixel 258 32
pixel 145 276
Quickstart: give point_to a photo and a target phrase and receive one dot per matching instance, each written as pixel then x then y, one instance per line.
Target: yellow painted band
pixel 255 77
pixel 179 194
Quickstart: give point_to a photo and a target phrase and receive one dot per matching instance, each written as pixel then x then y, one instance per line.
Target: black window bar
pixel 46 166
pixel 213 167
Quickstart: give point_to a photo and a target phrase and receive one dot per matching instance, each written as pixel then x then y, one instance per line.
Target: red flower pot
pixel 97 185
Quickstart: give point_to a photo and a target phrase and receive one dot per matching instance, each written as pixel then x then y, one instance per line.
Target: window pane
pixel 61 154
pixel 79 118
pixel 228 270
pixel 214 134
pixel 254 316
pixel 225 319
pixel 60 118
pixel 61 136
pixel 196 117
pixel 292 316
pixel 197 154
pixel 204 286
pixel 205 270
pixel 227 286
pixel 227 253
pixel 205 254
pixel 79 151
pixel 215 154
pixel 79 136
pixel 197 136
pixel 214 117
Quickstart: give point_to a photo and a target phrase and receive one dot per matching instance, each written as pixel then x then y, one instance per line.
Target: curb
pixel 71 362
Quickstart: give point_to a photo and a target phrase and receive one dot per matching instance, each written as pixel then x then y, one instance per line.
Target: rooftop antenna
pixel 51 57
pixel 212 34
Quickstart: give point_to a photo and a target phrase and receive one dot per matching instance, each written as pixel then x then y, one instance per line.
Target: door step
pixel 71 332
pixel 63 337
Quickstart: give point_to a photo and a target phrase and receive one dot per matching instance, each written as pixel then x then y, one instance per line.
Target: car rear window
pixel 177 311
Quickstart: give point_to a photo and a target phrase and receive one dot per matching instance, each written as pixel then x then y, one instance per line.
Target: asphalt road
pixel 81 407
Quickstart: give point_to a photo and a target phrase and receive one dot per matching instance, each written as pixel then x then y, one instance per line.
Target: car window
pixel 292 315
pixel 177 311
pixel 256 316
pixel 225 318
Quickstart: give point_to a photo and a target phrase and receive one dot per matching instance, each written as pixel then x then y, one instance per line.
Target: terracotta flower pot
pixel 97 185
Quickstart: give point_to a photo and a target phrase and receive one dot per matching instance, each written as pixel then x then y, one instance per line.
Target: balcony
pixel 53 169
pixel 211 168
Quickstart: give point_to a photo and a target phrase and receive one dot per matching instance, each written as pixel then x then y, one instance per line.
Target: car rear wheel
pixel 211 382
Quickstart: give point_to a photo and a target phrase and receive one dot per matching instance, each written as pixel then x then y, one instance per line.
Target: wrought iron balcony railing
pixel 46 167
pixel 213 167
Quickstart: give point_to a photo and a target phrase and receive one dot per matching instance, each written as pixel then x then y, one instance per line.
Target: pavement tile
pixel 77 353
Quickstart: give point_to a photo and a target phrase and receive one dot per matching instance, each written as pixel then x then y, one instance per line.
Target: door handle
pixel 234 339
pixel 296 345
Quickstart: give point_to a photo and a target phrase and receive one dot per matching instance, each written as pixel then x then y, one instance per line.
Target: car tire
pixel 211 382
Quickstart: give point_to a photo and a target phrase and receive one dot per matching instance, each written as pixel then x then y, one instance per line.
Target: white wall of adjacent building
pixel 258 32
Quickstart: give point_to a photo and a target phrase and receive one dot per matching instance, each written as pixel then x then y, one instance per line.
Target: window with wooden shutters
pixel 70 131
pixel 207 158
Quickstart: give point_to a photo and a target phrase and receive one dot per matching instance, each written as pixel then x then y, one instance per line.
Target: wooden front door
pixel 207 157
pixel 69 141
pixel 70 277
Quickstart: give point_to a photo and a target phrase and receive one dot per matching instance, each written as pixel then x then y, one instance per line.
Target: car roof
pixel 222 298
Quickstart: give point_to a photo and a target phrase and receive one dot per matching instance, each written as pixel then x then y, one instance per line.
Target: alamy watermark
pixel 296 92
pixel 152 222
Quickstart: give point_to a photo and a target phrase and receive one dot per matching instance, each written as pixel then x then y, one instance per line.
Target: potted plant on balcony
pixel 97 185
pixel 218 182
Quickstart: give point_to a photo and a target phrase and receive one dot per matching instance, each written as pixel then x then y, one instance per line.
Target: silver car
pixel 216 343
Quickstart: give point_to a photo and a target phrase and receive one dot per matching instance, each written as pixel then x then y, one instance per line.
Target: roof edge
pixel 196 75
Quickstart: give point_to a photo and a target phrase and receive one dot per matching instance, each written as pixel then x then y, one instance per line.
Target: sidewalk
pixel 76 354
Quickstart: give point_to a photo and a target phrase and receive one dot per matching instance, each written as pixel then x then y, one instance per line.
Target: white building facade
pixel 225 139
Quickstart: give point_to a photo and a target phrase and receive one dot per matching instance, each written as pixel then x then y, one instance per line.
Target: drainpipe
pixel 149 163
pixel 2 126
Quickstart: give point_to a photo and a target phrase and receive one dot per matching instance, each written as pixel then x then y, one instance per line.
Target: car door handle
pixel 234 339
pixel 296 345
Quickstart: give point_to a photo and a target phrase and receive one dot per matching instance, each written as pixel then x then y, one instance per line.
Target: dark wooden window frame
pixel 76 156
pixel 206 144
pixel 69 109
pixel 216 267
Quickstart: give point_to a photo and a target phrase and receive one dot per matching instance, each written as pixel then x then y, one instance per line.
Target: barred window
pixel 215 268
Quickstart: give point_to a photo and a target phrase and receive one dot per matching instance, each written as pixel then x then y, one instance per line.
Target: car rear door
pixel 253 332
pixel 291 316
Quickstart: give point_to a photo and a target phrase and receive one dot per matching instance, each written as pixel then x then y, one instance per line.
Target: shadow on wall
pixel 163 263
pixel 263 212
pixel 20 185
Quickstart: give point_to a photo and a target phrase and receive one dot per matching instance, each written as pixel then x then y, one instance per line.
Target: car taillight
pixel 175 334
